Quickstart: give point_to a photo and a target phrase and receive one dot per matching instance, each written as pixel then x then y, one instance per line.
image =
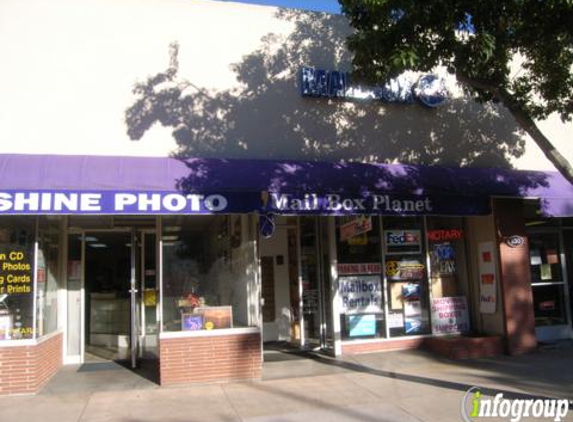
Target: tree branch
pixel 525 121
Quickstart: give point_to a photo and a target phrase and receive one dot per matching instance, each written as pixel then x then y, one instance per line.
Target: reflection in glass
pixel 545 257
pixel 48 274
pixel 208 273
pixel 360 289
pixel 17 237
pixel 407 276
pixel 549 305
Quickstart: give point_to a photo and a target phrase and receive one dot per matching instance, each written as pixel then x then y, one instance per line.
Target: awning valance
pixel 62 184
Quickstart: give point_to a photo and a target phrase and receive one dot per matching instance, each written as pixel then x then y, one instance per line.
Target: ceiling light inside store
pixel 89 238
pixel 172 229
pixel 170 238
pixel 98 245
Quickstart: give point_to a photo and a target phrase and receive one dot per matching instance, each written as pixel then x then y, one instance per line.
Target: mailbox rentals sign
pixel 360 294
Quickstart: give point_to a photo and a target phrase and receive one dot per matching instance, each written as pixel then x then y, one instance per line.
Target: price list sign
pixel 16 291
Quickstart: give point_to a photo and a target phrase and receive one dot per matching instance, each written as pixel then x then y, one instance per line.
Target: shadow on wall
pixel 265 116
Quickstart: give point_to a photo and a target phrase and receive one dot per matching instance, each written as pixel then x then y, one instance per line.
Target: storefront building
pixel 200 243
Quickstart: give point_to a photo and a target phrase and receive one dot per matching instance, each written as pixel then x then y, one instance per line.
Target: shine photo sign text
pixel 125 202
pixel 110 202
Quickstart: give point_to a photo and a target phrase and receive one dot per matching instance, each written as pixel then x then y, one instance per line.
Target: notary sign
pixel 450 315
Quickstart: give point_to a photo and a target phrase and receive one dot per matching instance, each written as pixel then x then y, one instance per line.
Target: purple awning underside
pixel 466 190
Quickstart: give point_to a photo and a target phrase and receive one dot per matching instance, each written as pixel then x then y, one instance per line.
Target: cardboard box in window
pixel 216 317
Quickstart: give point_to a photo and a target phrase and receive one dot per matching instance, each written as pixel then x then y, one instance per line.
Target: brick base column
pixel 210 356
pixel 515 276
pixel 27 365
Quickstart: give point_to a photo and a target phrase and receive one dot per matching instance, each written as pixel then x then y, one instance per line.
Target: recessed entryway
pixel 102 375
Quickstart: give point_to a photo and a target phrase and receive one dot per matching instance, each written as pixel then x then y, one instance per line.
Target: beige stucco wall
pixel 69 69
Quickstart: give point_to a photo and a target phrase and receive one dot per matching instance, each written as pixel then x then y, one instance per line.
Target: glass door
pixel 311 286
pixel 549 286
pixel 108 295
pixel 327 330
pixel 134 298
pixel 568 243
pixel 315 280
pixel 148 304
pixel 120 299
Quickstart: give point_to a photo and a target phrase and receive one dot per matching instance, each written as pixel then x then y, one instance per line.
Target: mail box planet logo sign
pixel 430 90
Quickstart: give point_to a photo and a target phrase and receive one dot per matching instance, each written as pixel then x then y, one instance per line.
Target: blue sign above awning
pixel 52 184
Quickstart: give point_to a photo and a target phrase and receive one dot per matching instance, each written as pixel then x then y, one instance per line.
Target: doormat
pixel 100 366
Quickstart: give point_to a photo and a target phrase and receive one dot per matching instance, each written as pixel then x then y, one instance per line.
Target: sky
pixel 331 6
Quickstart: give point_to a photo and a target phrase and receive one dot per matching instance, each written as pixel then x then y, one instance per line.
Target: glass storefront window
pixel 406 276
pixel 548 284
pixel 48 274
pixel 386 259
pixel 74 294
pixel 545 259
pixel 449 285
pixel 360 278
pixel 549 305
pixel 208 273
pixel 358 239
pixel 17 237
pixel 448 272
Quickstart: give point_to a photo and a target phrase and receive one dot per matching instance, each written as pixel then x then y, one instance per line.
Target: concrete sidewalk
pixel 393 386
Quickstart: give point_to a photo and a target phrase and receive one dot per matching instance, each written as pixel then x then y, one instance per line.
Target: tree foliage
pixel 482 43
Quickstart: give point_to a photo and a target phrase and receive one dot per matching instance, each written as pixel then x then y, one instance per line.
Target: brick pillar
pixel 26 366
pixel 515 277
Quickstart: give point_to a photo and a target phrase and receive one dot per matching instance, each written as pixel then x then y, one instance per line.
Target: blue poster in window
pixel 191 322
pixel 361 325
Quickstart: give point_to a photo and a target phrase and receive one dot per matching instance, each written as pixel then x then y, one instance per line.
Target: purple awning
pixel 295 187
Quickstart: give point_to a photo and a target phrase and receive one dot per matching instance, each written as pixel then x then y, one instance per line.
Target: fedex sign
pixel 402 237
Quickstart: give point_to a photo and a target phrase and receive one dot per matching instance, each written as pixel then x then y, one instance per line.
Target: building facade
pixel 188 181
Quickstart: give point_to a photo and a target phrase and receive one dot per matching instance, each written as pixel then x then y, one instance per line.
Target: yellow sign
pixel 361 239
pixel 150 297
pixel 392 268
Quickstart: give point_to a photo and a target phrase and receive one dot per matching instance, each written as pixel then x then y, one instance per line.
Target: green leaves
pixel 404 59
pixel 480 41
pixel 477 38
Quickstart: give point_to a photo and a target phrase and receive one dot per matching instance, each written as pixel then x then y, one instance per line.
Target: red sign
pixel 373 268
pixel 487 278
pixel 445 234
pixel 355 228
